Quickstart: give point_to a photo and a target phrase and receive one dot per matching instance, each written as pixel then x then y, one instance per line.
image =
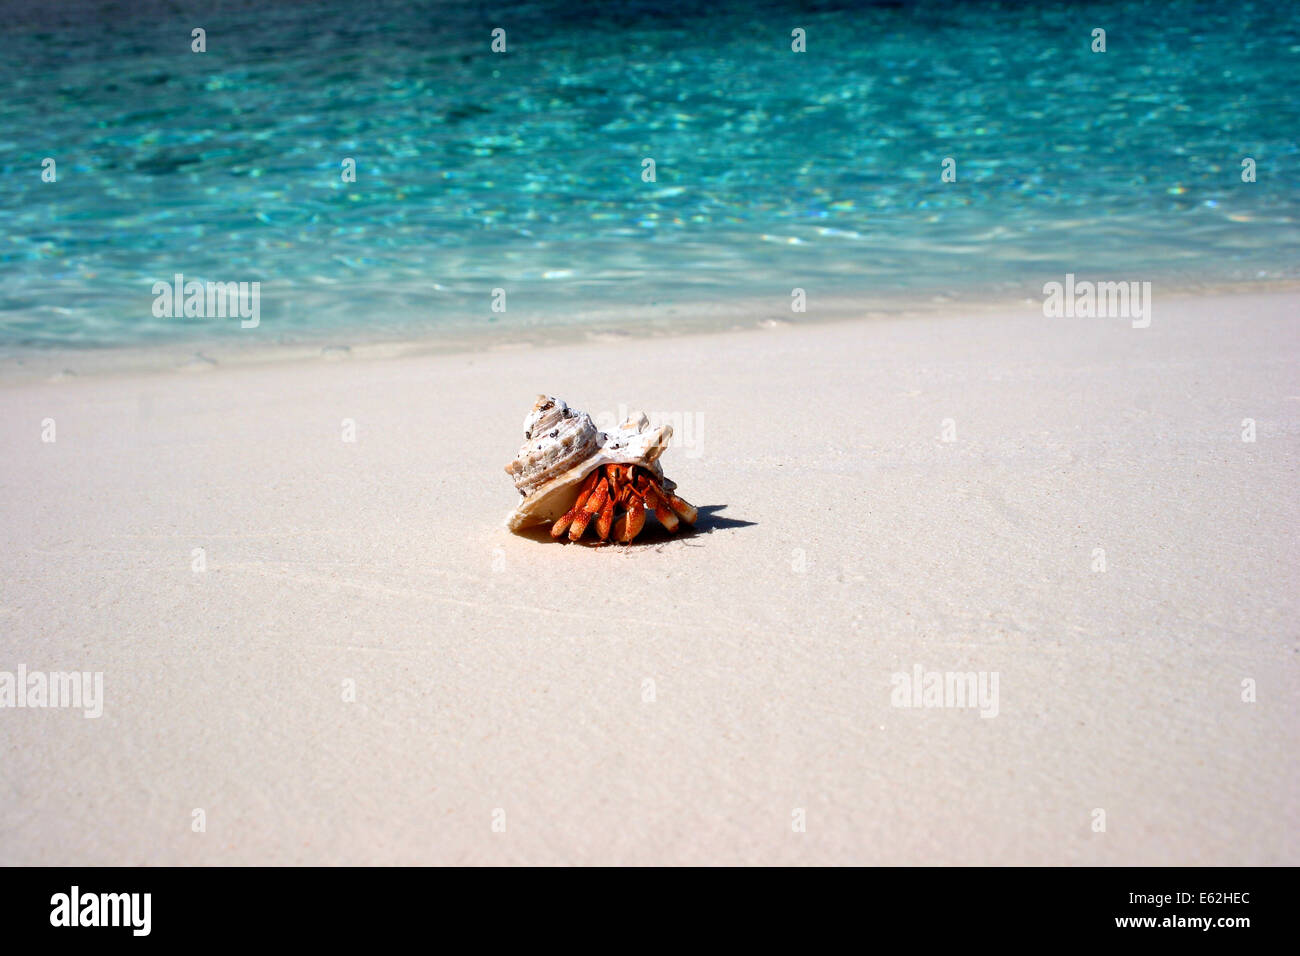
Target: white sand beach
pixel 679 701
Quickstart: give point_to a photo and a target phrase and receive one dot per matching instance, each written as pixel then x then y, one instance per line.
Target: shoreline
pixel 54 364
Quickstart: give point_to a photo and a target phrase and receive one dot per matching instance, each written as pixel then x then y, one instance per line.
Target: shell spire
pixel 556 439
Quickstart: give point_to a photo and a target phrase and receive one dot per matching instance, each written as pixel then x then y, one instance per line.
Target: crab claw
pixel 629 525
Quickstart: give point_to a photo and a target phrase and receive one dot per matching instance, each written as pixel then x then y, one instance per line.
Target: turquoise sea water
pixel 523 170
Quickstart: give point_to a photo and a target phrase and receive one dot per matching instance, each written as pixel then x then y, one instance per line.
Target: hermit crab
pixel 572 476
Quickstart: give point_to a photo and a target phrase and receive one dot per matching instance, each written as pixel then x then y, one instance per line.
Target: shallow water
pixel 522 171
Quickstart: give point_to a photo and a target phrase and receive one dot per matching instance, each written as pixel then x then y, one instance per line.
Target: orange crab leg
pixel 589 510
pixel 655 499
pixel 588 485
pixel 684 509
pixel 628 491
pixel 605 520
